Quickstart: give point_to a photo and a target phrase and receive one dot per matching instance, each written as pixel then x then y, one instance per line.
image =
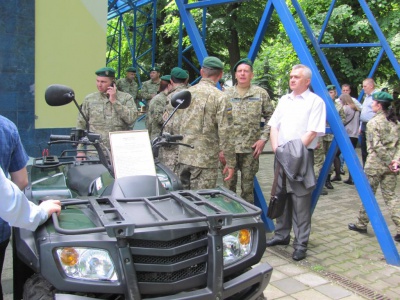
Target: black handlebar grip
pixel 57 137
pixel 176 137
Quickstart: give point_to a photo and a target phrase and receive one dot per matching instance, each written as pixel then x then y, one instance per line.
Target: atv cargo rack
pixel 217 207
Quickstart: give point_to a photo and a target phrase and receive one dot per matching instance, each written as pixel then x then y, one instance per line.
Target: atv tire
pixel 38 288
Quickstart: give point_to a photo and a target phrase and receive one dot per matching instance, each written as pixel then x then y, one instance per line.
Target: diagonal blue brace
pixel 260 202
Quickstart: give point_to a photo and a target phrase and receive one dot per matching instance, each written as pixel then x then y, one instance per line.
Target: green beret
pixel 245 61
pixel 166 78
pixel 179 73
pixel 131 69
pixel 105 72
pixel 330 87
pixel 382 96
pixel 155 69
pixel 212 62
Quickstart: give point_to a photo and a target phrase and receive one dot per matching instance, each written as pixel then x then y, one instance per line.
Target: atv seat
pixel 81 178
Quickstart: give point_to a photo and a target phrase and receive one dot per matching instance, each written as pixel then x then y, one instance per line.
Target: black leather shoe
pixel 336 178
pixel 275 241
pixel 355 228
pixel 328 185
pixel 299 255
pixel 397 237
pixel 349 181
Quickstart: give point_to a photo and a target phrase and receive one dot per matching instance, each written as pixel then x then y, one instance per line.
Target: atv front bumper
pixel 248 285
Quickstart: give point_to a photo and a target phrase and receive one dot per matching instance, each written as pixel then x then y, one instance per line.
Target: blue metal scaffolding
pixel 336 127
pixel 141 36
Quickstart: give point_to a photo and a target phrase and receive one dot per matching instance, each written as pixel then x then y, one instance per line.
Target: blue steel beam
pixel 137 43
pixel 381 37
pixel 119 7
pixel 325 24
pixel 192 30
pixel 261 30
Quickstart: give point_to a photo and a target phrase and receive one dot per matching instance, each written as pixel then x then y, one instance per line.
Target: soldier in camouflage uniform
pixel 150 87
pixel 249 104
pixel 157 107
pixel 128 84
pixel 169 155
pixel 383 145
pixel 205 124
pixel 108 109
pixel 325 141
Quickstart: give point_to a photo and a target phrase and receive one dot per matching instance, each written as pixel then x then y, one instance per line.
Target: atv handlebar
pixel 58 137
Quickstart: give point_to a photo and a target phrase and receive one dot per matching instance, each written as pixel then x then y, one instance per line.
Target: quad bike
pixel 134 237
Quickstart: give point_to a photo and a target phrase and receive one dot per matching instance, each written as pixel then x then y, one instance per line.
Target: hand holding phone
pixel 111 92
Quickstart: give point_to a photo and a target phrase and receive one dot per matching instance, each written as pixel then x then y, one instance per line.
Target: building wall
pixel 45 42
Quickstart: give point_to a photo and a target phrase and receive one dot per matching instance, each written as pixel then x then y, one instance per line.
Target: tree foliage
pixel 231 28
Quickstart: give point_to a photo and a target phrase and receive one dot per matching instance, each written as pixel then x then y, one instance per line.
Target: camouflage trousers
pixel 195 178
pixel 388 186
pixel 248 167
pixel 169 157
pixel 319 156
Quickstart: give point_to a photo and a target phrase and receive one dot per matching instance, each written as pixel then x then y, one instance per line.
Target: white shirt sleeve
pixel 16 209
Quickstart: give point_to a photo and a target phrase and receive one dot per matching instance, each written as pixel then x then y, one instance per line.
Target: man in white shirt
pixel 366 114
pixel 300 115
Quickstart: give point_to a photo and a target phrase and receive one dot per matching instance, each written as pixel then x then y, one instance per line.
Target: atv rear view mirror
pixel 58 95
pixel 181 99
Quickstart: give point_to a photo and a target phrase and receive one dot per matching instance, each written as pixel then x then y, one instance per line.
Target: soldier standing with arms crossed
pixel 249 104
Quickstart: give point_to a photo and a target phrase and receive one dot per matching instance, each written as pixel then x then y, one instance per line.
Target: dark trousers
pixel 363 143
pixel 3 247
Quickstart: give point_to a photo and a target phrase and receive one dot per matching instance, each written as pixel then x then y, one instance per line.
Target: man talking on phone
pixel 107 110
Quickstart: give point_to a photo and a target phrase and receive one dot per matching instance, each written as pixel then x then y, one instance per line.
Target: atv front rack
pixel 217 207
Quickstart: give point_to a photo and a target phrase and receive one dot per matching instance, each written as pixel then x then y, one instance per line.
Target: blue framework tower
pixel 336 127
pixel 137 35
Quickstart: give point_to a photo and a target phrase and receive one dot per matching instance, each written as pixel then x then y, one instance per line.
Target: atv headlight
pixel 86 263
pixel 237 245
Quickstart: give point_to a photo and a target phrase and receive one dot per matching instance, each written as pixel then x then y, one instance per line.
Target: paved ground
pixel 341 264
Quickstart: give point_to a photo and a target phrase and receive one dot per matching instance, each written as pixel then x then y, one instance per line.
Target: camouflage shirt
pixel 382 144
pixel 247 111
pixel 155 114
pixel 148 89
pixel 172 126
pixel 128 86
pixel 105 117
pixel 206 124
